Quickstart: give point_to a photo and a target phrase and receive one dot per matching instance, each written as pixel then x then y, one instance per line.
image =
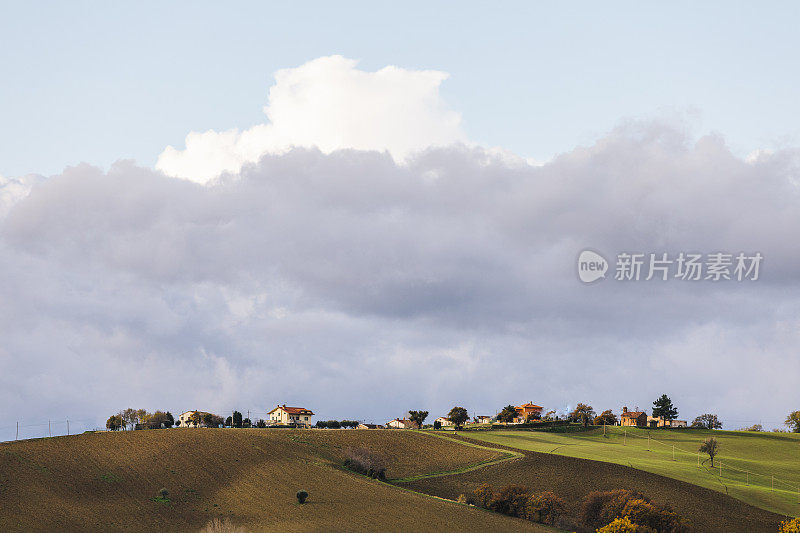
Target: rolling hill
pixel 758 468
pixel 110 482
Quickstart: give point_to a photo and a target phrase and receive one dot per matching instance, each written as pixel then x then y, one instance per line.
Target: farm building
pixel 528 410
pixel 633 418
pixel 290 415
pixel 483 419
pixel 401 423
pixel 368 426
pixel 657 421
pixel 444 421
pixel 185 420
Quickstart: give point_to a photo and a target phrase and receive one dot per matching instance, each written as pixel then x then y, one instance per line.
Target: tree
pixel 793 421
pixel 170 420
pixel 711 447
pixel 237 419
pixel 663 408
pixel 246 423
pixel 458 415
pixel 261 423
pixel 229 422
pixel 707 421
pixel 322 424
pixel 754 427
pixel 582 413
pixel 196 418
pixel 129 418
pixel 418 417
pixel 437 424
pixel 114 422
pixel 508 414
pixel 607 417
pixel 549 415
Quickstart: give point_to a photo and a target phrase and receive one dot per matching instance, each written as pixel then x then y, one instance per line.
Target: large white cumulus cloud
pixel 331 278
pixel 330 104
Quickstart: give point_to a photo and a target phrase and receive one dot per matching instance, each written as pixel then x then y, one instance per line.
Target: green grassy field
pixel 748 460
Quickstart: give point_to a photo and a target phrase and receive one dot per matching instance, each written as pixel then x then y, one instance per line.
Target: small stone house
pixel 633 418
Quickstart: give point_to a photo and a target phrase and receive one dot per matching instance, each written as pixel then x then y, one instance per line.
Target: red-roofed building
pixel 633 418
pixel 290 415
pixel 528 410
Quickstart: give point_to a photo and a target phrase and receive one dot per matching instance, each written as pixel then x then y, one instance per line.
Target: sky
pixel 367 209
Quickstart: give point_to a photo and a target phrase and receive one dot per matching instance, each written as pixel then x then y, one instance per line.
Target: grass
pixel 106 482
pixel 748 460
pixel 573 479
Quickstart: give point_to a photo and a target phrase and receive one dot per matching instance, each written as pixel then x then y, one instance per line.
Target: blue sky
pixel 97 81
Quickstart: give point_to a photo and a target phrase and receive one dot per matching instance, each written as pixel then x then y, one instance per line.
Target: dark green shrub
pixel 302 496
pixel 163 493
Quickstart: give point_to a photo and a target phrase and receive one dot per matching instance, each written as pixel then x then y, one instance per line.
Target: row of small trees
pixel 337 424
pixel 139 419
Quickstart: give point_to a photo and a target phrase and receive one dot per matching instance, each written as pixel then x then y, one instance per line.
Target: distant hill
pixel 573 478
pixel 110 482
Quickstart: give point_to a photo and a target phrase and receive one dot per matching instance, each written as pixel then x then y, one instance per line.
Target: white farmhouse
pixel 290 415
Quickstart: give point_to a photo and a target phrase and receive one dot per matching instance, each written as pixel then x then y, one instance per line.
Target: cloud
pixel 329 104
pixel 12 190
pixel 331 278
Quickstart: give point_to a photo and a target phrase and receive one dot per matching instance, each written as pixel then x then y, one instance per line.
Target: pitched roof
pixel 530 405
pixel 293 410
pixel 632 414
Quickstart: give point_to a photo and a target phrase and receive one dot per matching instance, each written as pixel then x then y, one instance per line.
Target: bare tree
pixel 711 447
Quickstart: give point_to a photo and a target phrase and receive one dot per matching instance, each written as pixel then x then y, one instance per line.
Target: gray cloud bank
pixel 363 288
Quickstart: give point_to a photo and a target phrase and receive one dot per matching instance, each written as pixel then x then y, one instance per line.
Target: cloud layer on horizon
pixel 363 287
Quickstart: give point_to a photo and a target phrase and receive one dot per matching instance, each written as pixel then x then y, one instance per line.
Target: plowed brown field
pixel 109 482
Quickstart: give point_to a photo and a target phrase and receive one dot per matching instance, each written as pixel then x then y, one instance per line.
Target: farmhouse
pixel 657 421
pixel 483 419
pixel 401 423
pixel 633 418
pixel 444 421
pixel 185 420
pixel 290 415
pixel 368 426
pixel 526 411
